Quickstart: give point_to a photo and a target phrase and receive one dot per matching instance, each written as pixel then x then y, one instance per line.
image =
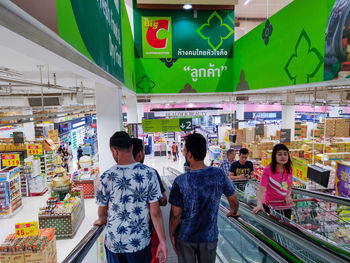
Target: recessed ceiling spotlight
pixel 187 6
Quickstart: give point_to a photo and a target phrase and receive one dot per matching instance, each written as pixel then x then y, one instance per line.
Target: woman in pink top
pixel 276 183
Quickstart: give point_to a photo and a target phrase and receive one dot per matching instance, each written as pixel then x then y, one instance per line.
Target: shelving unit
pixel 50 165
pixel 10 191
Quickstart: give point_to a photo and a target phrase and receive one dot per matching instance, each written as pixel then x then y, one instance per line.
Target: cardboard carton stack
pixel 248 135
pixel 339 128
pixel 330 127
pixel 303 130
pixel 347 127
pixel 31 249
pixel 296 144
pixel 297 129
pixel 240 138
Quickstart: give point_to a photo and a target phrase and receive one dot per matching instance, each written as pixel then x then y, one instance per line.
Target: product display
pixel 10 191
pixel 65 216
pixel 30 249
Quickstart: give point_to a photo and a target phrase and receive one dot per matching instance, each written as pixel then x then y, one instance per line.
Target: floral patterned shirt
pixel 128 190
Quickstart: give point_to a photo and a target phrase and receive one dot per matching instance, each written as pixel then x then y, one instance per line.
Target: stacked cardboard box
pixel 33 249
pixel 296 144
pixel 296 153
pixel 316 133
pixel 239 139
pixel 303 131
pixel 347 127
pixel 248 135
pixel 339 128
pixel 330 127
pixel 297 129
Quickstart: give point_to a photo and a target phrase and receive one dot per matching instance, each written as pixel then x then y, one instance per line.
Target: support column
pixel 139 113
pixel 28 128
pixel 240 112
pixel 109 120
pixel 131 109
pixel 288 118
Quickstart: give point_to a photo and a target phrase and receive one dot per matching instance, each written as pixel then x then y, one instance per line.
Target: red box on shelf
pixel 89 187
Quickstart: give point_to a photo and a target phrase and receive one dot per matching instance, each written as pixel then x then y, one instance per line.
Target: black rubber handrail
pixel 80 251
pixel 322 196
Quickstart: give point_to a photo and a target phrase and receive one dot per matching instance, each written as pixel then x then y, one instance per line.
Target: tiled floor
pixel 31 207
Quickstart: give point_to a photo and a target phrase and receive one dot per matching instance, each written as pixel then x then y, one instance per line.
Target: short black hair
pixel 137 146
pixel 229 151
pixel 243 151
pixel 197 145
pixel 120 140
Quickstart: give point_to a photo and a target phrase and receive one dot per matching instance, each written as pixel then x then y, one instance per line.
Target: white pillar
pixel 109 120
pixel 240 112
pixel 334 112
pixel 139 113
pixel 131 109
pixel 288 118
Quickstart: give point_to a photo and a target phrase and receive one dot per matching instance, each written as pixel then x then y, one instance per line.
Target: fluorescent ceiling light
pixel 246 2
pixel 187 6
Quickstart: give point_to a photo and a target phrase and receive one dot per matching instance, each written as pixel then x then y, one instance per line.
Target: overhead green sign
pixel 167 125
pixel 156 37
pixel 286 49
pixel 180 34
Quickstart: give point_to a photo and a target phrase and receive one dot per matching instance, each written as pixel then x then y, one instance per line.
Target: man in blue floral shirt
pixel 195 199
pixel 127 196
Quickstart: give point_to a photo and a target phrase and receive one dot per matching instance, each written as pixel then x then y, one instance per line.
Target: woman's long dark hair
pixel 276 148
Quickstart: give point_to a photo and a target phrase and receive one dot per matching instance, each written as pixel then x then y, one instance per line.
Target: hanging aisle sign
pixel 167 125
pixel 300 168
pixel 10 159
pixel 34 149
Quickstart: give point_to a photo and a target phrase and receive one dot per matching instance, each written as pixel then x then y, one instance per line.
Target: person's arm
pixel 252 171
pixel 234 205
pixel 232 176
pixel 102 216
pixel 157 219
pixel 260 196
pixel 174 220
pixel 164 200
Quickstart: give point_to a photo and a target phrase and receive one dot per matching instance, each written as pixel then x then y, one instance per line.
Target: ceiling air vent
pixel 36 102
pixel 242 98
pixel 143 100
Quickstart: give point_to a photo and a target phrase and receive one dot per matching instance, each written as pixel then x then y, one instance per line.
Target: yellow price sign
pixel 265 159
pixel 300 167
pixel 34 149
pixel 27 229
pixel 10 159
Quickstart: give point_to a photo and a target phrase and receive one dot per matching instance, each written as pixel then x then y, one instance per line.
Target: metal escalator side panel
pixel 274 249
pixel 316 246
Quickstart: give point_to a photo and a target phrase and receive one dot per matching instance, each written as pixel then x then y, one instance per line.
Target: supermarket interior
pixel 245 74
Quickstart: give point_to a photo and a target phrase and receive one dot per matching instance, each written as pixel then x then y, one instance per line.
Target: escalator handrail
pixel 274 249
pixel 84 246
pixel 173 171
pixel 330 251
pixel 322 196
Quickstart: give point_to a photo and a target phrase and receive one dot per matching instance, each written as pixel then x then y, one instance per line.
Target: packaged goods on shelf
pixel 10 191
pixel 331 181
pixel 296 144
pixel 339 128
pixel 65 216
pixel 31 249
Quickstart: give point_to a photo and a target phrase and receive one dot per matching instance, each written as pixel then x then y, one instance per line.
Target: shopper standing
pixel 138 152
pixel 276 183
pixel 177 151
pixel 168 148
pixel 128 193
pixel 195 198
pixel 242 169
pixel 225 165
pixel 173 149
pixel 80 152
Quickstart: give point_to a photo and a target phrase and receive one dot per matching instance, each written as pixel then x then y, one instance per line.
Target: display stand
pixel 50 165
pixel 10 191
pixel 66 225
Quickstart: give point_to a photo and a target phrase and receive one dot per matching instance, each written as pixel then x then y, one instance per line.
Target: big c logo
pixel 156 37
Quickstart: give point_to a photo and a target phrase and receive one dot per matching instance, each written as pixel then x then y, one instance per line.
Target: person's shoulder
pixel 214 170
pixel 108 172
pixel 235 163
pixel 250 162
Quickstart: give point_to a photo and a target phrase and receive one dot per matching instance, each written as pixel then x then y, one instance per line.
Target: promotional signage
pixel 10 159
pixel 18 137
pixel 259 129
pixel 185 113
pixel 300 168
pixel 285 136
pixel 167 125
pixel 265 159
pixel 156 37
pixel 342 180
pixel 92 27
pixel 27 229
pixel 34 149
pixel 178 34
